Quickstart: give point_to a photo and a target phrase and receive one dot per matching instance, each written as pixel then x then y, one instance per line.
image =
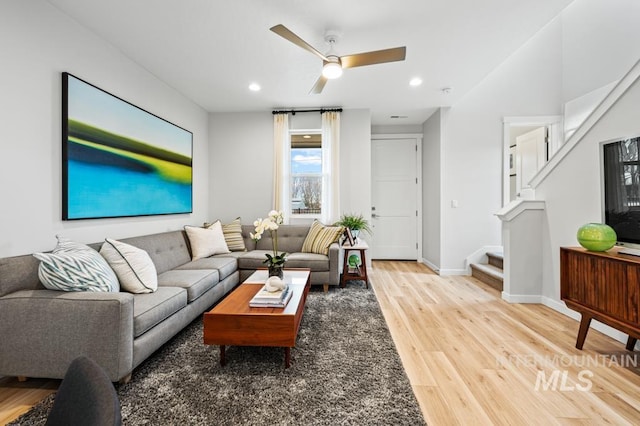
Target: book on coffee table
pixel 271 299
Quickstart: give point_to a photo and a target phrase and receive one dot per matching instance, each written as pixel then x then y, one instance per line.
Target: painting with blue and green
pixel 121 160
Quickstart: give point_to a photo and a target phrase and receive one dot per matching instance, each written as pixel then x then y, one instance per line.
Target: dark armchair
pixel 86 397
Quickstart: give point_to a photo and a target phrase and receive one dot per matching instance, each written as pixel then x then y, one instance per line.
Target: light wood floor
pixel 474 359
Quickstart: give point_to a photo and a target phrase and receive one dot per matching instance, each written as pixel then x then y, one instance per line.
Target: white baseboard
pixel 522 298
pixel 595 324
pixel 430 265
pixel 445 272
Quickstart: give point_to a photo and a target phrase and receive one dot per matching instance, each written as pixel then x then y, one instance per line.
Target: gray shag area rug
pixel 345 371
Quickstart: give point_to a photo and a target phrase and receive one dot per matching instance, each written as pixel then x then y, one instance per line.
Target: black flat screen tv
pixel 622 190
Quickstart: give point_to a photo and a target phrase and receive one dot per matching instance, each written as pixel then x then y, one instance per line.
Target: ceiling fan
pixel 333 64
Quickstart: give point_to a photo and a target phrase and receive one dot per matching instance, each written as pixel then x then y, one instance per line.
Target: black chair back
pixel 86 397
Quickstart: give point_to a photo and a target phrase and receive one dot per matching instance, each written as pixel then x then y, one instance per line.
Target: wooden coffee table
pixel 234 322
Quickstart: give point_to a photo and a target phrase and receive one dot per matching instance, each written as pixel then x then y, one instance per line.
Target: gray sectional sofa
pixel 324 269
pixel 42 331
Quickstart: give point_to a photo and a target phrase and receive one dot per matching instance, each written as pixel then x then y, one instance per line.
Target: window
pixel 631 169
pixel 306 173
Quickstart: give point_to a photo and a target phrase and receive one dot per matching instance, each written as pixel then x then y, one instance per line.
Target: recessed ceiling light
pixel 254 87
pixel 307 136
pixel 416 81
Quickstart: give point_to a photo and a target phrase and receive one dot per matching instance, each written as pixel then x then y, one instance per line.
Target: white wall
pixel 38 43
pixel 527 84
pixel 241 165
pixel 396 129
pixel 355 163
pixel 600 42
pixel 590 44
pixel 241 158
pixel 572 192
pixel 431 185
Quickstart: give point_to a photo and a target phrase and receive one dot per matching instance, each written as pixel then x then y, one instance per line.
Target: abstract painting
pixel 119 160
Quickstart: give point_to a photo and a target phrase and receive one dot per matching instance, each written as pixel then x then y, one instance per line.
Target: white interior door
pixel 395 199
pixel 531 155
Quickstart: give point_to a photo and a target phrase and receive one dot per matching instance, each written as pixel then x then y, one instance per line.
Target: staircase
pixel 490 273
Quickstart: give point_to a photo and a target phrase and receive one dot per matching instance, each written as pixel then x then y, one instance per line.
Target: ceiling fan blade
pixel 286 33
pixel 317 88
pixel 374 57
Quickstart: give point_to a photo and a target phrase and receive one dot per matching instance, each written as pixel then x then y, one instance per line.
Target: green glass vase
pixel 597 236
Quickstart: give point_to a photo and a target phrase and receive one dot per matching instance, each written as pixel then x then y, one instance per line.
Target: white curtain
pixel 331 167
pixel 281 148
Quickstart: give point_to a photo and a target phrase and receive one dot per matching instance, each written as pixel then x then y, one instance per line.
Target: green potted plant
pixel 355 222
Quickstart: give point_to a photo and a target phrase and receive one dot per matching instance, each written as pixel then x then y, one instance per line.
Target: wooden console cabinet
pixel 604 286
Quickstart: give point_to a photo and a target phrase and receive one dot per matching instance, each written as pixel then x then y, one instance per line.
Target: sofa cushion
pixel 74 266
pixel 150 309
pixel 233 235
pixel 290 238
pixel 253 259
pixel 19 273
pixel 195 281
pixel 206 242
pixel 224 264
pixel 168 250
pixel 133 266
pixel 315 262
pixel 320 237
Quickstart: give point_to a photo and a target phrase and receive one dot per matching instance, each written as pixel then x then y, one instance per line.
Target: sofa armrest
pixel 334 264
pixel 42 331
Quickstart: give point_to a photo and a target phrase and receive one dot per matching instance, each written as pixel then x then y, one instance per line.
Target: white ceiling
pixel 211 50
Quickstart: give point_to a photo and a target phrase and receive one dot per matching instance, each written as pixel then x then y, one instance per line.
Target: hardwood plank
pixel 16 398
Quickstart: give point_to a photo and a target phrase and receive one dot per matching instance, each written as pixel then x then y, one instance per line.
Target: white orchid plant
pixel 271 223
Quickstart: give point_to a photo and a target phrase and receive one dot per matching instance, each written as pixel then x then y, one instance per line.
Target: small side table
pixel 360 274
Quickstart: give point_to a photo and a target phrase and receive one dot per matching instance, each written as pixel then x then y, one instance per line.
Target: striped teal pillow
pixel 320 237
pixel 74 266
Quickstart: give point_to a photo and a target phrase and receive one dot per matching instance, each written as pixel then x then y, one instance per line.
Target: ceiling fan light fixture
pixel 332 69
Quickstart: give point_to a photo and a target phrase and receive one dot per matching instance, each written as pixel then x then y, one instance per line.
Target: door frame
pixel 557 140
pixel 418 138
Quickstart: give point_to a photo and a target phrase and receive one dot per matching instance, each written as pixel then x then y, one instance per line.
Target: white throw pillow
pixel 133 266
pixel 206 242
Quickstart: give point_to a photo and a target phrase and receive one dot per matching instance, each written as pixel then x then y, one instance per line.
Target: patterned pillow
pixel 320 237
pixel 206 242
pixel 233 235
pixel 133 266
pixel 66 245
pixel 73 266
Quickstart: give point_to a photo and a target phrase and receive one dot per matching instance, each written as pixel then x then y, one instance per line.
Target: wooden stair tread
pixel 488 269
pixel 496 254
pixel 488 274
pixel 496 258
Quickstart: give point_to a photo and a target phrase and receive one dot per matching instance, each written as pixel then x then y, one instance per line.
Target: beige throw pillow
pixel 133 266
pixel 206 242
pixel 233 235
pixel 320 237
